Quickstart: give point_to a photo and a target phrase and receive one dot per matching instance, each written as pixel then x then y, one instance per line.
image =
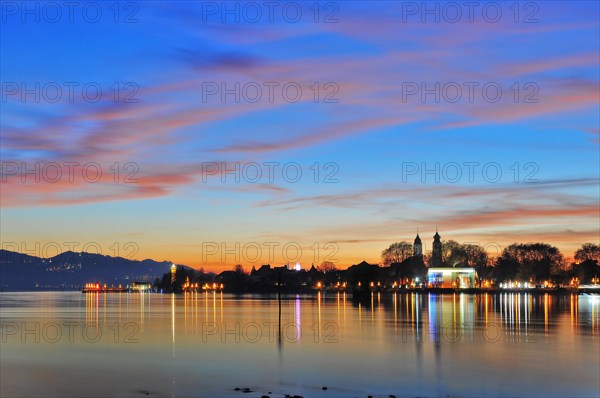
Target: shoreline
pixel 441 291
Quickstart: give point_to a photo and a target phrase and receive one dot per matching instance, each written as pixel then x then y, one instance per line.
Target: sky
pixel 212 133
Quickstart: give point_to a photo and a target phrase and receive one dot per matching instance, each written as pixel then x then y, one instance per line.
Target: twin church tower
pixel 436 252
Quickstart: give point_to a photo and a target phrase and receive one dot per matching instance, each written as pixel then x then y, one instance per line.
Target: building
pixel 436 253
pixel 141 286
pixel 418 247
pixel 442 276
pixel 452 277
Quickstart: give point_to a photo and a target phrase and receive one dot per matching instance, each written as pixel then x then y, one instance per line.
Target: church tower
pixel 436 254
pixel 418 247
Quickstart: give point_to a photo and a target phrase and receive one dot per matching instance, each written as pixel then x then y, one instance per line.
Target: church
pixel 440 274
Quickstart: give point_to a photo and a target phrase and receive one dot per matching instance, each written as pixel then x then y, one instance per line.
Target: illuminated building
pixel 140 286
pixel 173 270
pixel 441 275
pixel 446 277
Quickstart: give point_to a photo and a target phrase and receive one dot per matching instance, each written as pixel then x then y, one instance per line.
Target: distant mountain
pixel 71 270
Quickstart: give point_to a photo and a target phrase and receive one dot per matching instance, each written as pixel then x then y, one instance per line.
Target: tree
pixel 524 261
pixel 450 249
pixel 507 264
pixel 326 266
pixel 588 257
pixel 588 251
pixel 473 255
pixel 396 253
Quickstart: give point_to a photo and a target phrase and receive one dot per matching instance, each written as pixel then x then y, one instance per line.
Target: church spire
pixel 436 253
pixel 417 239
pixel 417 246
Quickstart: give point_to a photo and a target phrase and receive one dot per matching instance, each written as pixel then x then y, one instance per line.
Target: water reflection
pixel 173 324
pixel 459 316
pixel 420 344
pixel 425 316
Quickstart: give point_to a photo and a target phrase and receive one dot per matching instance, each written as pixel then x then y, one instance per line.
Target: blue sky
pixel 366 59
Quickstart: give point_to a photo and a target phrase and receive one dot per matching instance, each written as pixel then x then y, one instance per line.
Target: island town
pixel 449 267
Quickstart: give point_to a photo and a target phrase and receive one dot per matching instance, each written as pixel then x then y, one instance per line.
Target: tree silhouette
pixel 326 266
pixel 525 261
pixel 396 253
pixel 588 251
pixel 588 269
pixel 450 252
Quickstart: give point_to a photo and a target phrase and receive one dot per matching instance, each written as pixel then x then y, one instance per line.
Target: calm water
pixel 71 344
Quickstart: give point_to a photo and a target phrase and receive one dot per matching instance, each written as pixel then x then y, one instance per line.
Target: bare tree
pixel 450 250
pixel 470 255
pixel 588 251
pixel 326 266
pixel 396 253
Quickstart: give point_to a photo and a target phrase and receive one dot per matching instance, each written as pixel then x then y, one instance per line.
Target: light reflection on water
pixel 206 344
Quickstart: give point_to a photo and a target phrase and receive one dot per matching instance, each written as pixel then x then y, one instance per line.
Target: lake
pixel 209 344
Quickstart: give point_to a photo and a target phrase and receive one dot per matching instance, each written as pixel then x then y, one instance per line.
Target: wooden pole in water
pixel 279 299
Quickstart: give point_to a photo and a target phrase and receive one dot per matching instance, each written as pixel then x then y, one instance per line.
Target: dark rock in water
pixel 391 396
pixel 246 390
pixel 324 388
pixel 265 396
pixel 237 389
pixel 144 392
